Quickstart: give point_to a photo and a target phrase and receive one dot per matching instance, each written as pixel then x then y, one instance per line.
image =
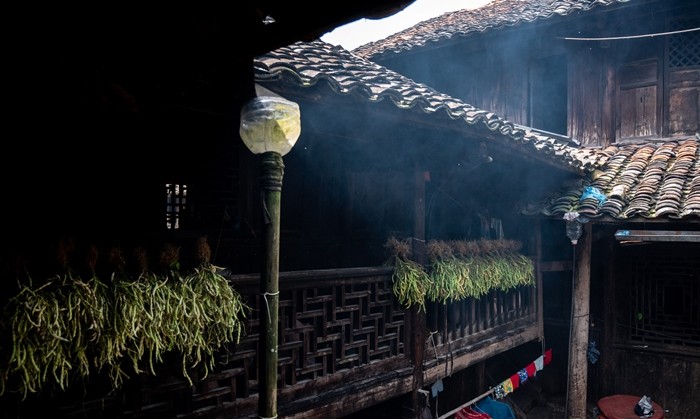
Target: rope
pixel 616 38
pixel 265 294
pixel 433 342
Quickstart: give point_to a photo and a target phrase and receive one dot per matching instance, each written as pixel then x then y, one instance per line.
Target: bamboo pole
pixel 272 169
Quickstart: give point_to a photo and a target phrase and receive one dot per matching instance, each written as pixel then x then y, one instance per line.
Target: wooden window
pixel 683 61
pixel 662 292
pixel 684 47
pixel 638 99
pixel 176 203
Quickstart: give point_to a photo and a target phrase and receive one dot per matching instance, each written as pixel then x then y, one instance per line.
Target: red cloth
pixel 531 369
pixel 515 378
pixel 469 413
pixel 547 356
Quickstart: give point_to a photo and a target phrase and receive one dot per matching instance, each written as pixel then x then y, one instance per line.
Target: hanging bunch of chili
pixel 68 327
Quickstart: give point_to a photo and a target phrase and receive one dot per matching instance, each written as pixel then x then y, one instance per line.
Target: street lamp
pixel 270 126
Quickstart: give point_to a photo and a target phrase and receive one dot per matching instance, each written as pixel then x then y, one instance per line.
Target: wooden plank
pixel 657 236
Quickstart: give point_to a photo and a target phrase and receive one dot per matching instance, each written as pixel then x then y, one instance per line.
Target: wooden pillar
pixel 538 277
pixel 578 347
pixel 607 361
pixel 418 322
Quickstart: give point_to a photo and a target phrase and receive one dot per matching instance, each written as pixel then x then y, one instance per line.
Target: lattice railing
pixel 470 317
pixel 330 321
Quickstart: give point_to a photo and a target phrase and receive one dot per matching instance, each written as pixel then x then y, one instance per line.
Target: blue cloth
pixel 593 192
pixel 496 409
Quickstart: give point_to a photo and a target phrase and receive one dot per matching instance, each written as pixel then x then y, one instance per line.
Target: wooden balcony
pixel 345 345
pixel 344 342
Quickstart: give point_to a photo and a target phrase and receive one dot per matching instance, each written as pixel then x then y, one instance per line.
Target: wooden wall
pixel 628 87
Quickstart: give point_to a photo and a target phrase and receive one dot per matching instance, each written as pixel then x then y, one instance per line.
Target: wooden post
pixel 578 348
pixel 538 292
pixel 418 332
pixel 607 362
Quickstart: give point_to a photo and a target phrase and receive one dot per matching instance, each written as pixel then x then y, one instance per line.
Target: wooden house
pixel 382 155
pixel 621 77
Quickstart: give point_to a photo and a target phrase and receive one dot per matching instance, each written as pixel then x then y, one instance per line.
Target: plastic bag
pixel 593 192
pixel 644 408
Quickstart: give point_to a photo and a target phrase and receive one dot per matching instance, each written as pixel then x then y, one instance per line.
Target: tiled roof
pixel 650 180
pixel 494 15
pixel 645 180
pixel 310 63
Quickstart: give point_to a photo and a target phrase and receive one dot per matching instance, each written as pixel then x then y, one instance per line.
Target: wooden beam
pixel 485 349
pixel 657 236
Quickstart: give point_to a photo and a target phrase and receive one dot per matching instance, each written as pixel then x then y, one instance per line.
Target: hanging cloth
pixel 531 370
pixel 470 413
pixel 488 399
pixel 539 363
pixel 496 409
pixel 515 379
pixel 523 376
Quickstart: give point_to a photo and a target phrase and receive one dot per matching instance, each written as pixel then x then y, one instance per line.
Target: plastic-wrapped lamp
pixel 573 230
pixel 574 226
pixel 270 126
pixel 270 123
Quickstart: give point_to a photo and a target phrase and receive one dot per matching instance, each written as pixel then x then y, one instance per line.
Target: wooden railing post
pixel 417 337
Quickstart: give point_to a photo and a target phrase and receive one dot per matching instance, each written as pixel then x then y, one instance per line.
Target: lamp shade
pixel 270 123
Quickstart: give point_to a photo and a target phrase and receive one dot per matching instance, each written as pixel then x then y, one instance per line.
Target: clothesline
pixel 509 384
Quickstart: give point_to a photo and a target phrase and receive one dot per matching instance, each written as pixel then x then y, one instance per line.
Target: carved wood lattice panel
pixel 324 330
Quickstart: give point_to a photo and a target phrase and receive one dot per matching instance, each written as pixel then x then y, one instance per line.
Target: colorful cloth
pixel 495 409
pixel 498 392
pixel 539 363
pixel 507 386
pixel 547 356
pixel 522 374
pixel 515 379
pixel 471 413
pixel 531 369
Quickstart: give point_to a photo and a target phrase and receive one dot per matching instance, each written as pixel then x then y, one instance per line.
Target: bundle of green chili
pixel 68 326
pixel 458 269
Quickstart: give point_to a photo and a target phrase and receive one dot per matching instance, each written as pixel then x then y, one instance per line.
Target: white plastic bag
pixel 644 408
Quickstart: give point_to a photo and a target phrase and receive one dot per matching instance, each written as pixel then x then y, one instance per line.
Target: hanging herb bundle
pixel 68 326
pixel 211 313
pixel 459 269
pixel 502 266
pixel 447 272
pixel 410 281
